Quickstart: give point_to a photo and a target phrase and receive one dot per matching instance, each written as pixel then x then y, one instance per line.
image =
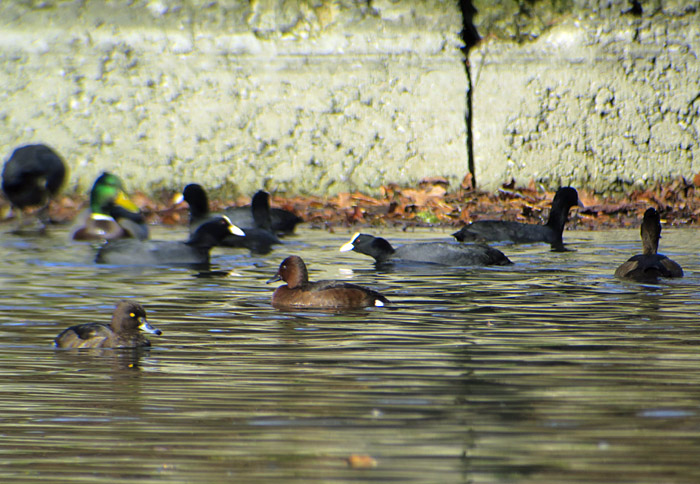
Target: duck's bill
pixel 348 246
pixel 147 328
pixel 123 201
pixel 234 229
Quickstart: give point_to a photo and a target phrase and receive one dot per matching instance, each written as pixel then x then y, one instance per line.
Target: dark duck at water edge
pixel 282 222
pixel 259 236
pixel 443 253
pixel 300 293
pixel 111 215
pixel 31 177
pixel 649 266
pixel 194 251
pixel 125 330
pixel 523 233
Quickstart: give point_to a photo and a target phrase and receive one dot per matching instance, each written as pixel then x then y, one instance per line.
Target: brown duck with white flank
pixel 300 293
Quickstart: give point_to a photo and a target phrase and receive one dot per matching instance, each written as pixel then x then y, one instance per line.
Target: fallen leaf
pixel 467 182
pixel 361 461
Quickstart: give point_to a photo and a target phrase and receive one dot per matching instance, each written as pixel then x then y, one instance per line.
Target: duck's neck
pixel 558 216
pixel 650 239
pixel 381 249
pixel 100 200
pixel 298 278
pixel 118 213
pixel 260 207
pixel 199 210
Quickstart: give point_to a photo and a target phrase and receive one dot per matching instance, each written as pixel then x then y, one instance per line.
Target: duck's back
pixel 32 174
pixel 447 253
pixel 648 267
pixel 504 230
pixel 281 221
pixel 327 294
pixel 98 335
pixel 284 221
pixel 150 252
pixel 96 227
pixel 92 335
pixel 259 241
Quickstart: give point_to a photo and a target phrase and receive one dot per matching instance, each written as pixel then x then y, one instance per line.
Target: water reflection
pixel 547 370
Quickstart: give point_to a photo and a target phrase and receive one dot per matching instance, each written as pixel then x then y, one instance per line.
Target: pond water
pixel 549 370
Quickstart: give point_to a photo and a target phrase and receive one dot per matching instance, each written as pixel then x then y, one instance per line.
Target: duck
pixel 194 251
pixel 282 222
pixel 258 214
pixel 112 215
pixel 125 330
pixel 649 265
pixel 299 292
pixel 32 176
pixel 524 233
pixel 438 252
pixel 259 236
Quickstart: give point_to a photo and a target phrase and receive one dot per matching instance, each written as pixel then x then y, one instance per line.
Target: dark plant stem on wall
pixel 470 37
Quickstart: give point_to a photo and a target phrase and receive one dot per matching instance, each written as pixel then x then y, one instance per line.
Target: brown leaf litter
pixel 431 204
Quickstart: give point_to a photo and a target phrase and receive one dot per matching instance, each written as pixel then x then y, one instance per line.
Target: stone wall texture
pixel 323 96
pixel 310 97
pixel 597 95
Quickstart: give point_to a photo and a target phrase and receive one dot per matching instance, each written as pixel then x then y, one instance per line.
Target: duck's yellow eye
pixel 133 315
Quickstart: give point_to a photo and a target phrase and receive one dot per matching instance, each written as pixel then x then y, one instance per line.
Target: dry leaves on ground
pixel 430 203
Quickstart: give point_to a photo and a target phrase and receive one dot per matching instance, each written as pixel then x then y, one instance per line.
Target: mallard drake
pixel 112 215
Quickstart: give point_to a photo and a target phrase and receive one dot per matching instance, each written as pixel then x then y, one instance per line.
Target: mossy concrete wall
pixel 293 96
pixel 322 96
pixel 604 95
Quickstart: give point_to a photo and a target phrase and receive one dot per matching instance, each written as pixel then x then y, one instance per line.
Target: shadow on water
pixel 548 370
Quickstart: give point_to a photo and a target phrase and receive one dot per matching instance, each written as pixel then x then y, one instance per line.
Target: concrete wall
pixel 603 97
pixel 322 96
pixel 297 96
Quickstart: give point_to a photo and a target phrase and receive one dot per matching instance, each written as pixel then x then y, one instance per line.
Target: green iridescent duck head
pixel 108 191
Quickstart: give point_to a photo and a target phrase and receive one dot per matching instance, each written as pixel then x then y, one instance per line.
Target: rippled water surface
pixel 549 370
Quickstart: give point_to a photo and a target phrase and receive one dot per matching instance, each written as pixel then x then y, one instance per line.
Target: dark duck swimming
pixel 124 331
pixel 649 266
pixel 259 235
pixel 193 251
pixel 523 233
pixel 443 253
pixel 31 177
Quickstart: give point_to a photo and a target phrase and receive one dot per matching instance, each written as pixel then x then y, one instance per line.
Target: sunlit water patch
pixel 549 370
